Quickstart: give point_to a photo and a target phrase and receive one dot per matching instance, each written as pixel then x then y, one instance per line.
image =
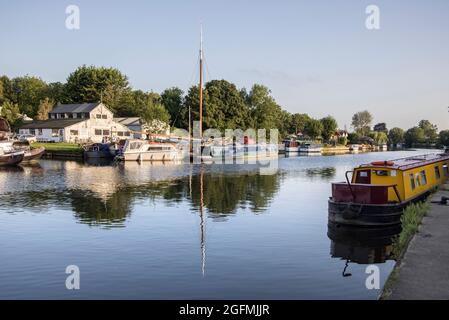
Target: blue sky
pixel 316 56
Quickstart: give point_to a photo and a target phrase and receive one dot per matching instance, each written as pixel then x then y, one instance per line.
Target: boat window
pixel 437 173
pixel 412 181
pixel 418 182
pixel 382 173
pixel 445 169
pixel 134 145
pixel 423 177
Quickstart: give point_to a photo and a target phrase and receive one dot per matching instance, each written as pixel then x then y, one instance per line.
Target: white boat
pixel 256 150
pixel 354 148
pixel 142 150
pixel 311 148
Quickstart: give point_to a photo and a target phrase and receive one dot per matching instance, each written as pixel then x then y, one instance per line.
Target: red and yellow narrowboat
pixel 378 192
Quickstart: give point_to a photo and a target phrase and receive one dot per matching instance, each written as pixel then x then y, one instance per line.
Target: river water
pixel 183 231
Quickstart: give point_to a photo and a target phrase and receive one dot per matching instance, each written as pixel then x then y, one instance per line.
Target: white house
pixel 87 122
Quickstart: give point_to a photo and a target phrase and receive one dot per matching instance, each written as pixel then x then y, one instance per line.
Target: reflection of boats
pixel 378 192
pixel 141 150
pixel 362 245
pixel 311 148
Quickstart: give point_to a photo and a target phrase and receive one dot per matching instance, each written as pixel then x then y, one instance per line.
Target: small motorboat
pixel 291 145
pixel 8 156
pixel 31 154
pixel 142 150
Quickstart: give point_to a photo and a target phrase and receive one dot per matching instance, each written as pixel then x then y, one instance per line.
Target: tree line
pixel 224 106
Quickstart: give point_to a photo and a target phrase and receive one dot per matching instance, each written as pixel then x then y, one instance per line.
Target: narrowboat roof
pixel 409 162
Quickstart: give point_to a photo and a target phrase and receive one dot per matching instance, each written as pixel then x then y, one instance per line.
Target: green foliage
pixel 410 221
pixel 354 138
pixel 430 131
pixel 343 141
pixel 27 92
pixel 330 125
pixel 396 135
pixel 313 128
pixel 361 121
pixel 381 127
pixel 414 136
pixel 45 107
pixel 60 147
pixel 298 122
pixel 153 110
pixel 93 84
pixel 265 112
pixel 379 137
pixel 173 100
pixel 11 112
pixel 444 138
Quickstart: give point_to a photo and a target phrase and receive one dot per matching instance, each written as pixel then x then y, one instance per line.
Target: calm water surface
pixel 182 231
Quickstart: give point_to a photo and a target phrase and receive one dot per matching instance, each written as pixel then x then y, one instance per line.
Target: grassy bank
pixel 60 147
pixel 410 220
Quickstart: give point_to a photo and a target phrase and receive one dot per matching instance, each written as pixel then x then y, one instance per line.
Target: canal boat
pixel 291 145
pixel 378 192
pixel 311 148
pixel 143 150
pixel 31 154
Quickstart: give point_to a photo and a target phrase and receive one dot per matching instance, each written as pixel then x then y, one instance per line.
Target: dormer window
pixel 98 116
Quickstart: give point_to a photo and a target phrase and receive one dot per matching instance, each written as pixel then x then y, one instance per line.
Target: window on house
pixel 33 132
pixel 423 177
pixel 97 132
pixel 73 132
pixel 104 116
pixel 55 132
pixel 39 132
pixel 120 133
pixel 412 181
pixel 106 132
pixel 445 170
pixel 437 173
pixel 87 115
pixel 98 116
pixel 127 134
pixel 80 115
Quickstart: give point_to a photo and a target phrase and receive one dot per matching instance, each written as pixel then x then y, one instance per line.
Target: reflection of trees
pixel 325 173
pixel 223 194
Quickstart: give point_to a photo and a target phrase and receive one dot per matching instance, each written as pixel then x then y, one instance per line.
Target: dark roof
pixel 131 121
pixel 75 108
pixel 411 162
pixel 51 124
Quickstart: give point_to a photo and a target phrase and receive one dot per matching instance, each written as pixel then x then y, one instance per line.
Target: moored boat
pixel 310 148
pixel 291 145
pixel 378 192
pixel 99 150
pixel 31 154
pixel 142 150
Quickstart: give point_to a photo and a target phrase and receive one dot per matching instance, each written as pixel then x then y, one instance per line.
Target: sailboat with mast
pixel 220 148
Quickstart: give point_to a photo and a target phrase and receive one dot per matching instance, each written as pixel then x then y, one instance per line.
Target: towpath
pixel 424 271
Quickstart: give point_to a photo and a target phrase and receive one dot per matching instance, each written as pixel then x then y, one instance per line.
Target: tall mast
pixel 201 82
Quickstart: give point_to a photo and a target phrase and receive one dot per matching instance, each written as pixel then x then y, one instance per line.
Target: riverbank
pixel 422 272
pixel 61 150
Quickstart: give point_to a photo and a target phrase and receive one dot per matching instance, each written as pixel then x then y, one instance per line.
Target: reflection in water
pixel 104 195
pixel 361 245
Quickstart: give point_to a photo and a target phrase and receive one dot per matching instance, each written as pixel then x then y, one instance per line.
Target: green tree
pixel 154 111
pixel 361 122
pixel 299 121
pixel 313 128
pixel 430 131
pixel 330 125
pixel 265 112
pixel 414 136
pixel 396 135
pixel 45 107
pixel 381 127
pixel 27 92
pixel 379 137
pixel 93 84
pixel 11 112
pixel 444 138
pixel 173 101
pixel 354 138
pixel 2 94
